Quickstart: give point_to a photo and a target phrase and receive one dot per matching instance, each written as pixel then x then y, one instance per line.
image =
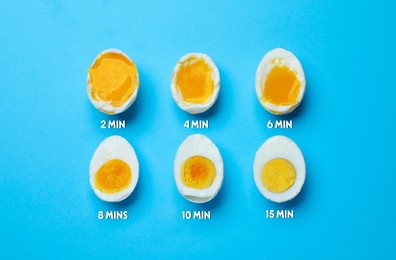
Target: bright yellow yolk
pixel 198 172
pixel 113 78
pixel 194 80
pixel 278 175
pixel 282 86
pixel 114 176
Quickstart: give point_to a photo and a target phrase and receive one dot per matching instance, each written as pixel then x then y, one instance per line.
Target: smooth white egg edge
pixel 104 106
pixel 265 67
pixel 189 107
pixel 280 147
pixel 198 144
pixel 114 147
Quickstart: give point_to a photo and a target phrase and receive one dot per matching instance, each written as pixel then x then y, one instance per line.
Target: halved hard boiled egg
pixel 279 169
pixel 113 82
pixel 280 81
pixel 198 169
pixel 195 83
pixel 114 169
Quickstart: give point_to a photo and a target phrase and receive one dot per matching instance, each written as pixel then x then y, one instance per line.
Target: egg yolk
pixel 114 176
pixel 278 175
pixel 113 78
pixel 198 172
pixel 194 80
pixel 282 86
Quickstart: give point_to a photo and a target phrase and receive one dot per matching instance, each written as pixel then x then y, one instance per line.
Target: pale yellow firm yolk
pixel 278 175
pixel 198 172
pixel 114 176
pixel 195 81
pixel 282 86
pixel 113 78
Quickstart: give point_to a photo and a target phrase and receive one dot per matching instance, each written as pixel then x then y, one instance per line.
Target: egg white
pixel 194 108
pixel 285 58
pixel 105 106
pixel 114 147
pixel 198 144
pixel 280 147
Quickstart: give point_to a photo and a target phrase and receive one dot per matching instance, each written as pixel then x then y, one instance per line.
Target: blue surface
pixel 345 127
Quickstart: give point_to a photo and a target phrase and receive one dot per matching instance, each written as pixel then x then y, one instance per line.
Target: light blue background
pixel 345 127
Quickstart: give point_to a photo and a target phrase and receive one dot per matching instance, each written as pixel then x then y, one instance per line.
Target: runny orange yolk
pixel 114 176
pixel 278 175
pixel 194 80
pixel 198 172
pixel 282 86
pixel 113 78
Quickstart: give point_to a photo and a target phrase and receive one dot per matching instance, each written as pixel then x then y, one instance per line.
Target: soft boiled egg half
pixel 114 169
pixel 195 83
pixel 280 81
pixel 279 169
pixel 198 169
pixel 113 82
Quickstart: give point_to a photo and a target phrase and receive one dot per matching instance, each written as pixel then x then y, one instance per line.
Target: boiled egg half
pixel 114 169
pixel 198 169
pixel 280 81
pixel 279 169
pixel 113 82
pixel 195 83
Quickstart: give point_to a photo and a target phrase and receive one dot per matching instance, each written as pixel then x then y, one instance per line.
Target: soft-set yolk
pixel 278 175
pixel 194 80
pixel 282 86
pixel 114 176
pixel 113 78
pixel 198 172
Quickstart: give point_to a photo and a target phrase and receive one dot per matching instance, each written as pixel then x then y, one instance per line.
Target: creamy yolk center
pixel 198 172
pixel 278 175
pixel 113 78
pixel 282 86
pixel 114 176
pixel 194 80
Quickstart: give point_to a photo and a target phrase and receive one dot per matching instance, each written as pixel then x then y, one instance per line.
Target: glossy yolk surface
pixel 194 80
pixel 198 172
pixel 113 78
pixel 114 176
pixel 278 175
pixel 282 86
